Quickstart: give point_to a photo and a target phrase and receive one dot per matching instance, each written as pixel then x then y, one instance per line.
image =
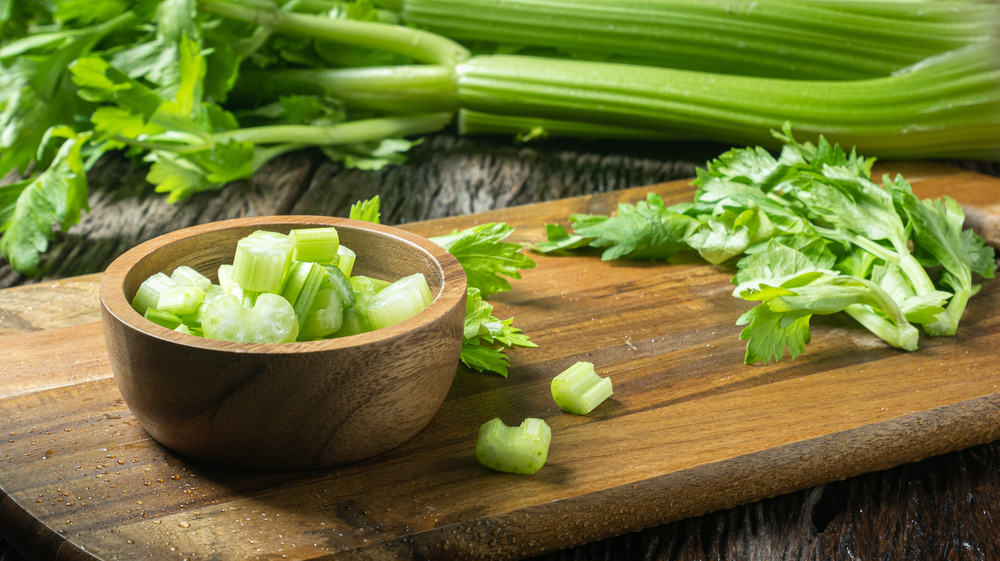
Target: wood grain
pixel 690 429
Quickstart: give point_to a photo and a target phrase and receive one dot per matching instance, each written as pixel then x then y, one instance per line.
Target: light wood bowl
pixel 285 406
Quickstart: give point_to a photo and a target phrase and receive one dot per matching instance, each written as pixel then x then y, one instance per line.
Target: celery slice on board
pixel 579 389
pixel 261 260
pixel 522 449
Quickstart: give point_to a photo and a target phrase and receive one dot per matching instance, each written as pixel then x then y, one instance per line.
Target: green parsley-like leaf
pixel 485 336
pixel 644 230
pixel 485 256
pixel 56 196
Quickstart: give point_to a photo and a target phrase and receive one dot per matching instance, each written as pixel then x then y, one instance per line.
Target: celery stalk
pixel 185 275
pixel 522 449
pixel 164 318
pixel 325 317
pixel 579 389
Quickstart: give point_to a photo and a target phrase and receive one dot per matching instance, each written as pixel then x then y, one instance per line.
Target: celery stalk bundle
pixel 207 91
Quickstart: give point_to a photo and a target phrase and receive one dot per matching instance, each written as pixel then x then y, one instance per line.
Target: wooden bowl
pixel 285 406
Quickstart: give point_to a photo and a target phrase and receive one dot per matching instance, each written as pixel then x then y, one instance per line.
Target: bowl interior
pixel 382 252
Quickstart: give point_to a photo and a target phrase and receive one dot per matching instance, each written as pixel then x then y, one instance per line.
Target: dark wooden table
pixel 944 507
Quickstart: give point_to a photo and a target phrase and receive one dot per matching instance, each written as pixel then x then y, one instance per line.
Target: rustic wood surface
pixel 942 507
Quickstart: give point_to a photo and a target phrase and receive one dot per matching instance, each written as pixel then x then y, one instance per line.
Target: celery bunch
pixel 815 235
pixel 204 92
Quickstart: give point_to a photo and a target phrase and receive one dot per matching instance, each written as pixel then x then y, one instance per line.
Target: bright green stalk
pixel 946 107
pixel 414 43
pixel 528 128
pixel 426 88
pixel 349 132
pixel 777 38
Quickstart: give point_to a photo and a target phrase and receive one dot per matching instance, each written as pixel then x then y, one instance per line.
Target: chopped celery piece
pixel 270 320
pixel 261 260
pixel 227 283
pixel 345 260
pixel 355 322
pixel 339 282
pixel 149 291
pixel 579 389
pixel 183 329
pixel 399 301
pixel 181 300
pixel 186 276
pixel 318 245
pixel 160 317
pixel 364 291
pixel 193 320
pixel 325 317
pixel 301 285
pixel 522 449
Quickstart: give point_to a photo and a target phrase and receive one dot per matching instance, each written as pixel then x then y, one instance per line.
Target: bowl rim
pixel 113 300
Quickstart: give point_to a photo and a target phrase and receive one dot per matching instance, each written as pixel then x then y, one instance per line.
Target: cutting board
pixel 690 428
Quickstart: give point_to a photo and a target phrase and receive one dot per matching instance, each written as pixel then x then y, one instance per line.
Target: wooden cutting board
pixel 690 428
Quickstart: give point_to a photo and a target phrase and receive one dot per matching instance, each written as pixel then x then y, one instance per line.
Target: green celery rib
pixel 341 133
pixel 477 122
pixel 769 37
pixel 393 89
pixel 414 43
pixel 946 107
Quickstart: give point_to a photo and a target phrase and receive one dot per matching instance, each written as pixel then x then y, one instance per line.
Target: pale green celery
pixel 529 128
pixel 522 449
pixel 364 289
pixel 325 318
pixel 399 301
pixel 163 318
pixel 948 106
pixel 300 286
pixel 261 260
pixel 338 281
pixel 318 245
pixel 355 322
pixel 579 389
pixel 407 41
pixel 350 132
pixel 227 283
pixel 270 320
pixel 902 336
pixel 185 275
pixel 774 38
pixel 183 329
pixel 377 284
pixel 181 300
pixel 389 89
pixel 148 294
pixel 345 260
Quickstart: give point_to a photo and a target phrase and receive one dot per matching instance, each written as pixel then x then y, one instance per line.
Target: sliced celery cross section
pixel 522 449
pixel 270 320
pixel 579 389
pixel 261 260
